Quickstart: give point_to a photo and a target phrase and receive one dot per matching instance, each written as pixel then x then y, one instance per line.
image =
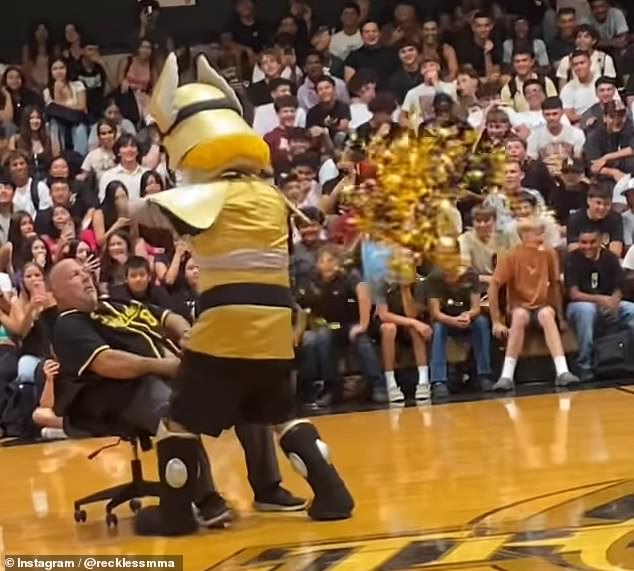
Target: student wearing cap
pixel 612 144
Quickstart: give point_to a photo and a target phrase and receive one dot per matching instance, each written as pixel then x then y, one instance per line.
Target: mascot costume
pixel 238 362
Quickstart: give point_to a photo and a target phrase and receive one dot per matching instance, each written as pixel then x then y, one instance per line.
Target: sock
pixel 423 375
pixel 508 371
pixel 561 365
pixel 390 378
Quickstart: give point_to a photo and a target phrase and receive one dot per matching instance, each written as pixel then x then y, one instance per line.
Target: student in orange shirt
pixel 530 273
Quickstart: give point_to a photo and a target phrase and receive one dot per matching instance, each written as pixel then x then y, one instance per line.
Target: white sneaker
pixel 53 434
pixel 394 394
pixel 423 391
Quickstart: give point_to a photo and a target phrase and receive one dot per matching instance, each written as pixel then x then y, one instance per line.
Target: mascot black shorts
pixel 212 394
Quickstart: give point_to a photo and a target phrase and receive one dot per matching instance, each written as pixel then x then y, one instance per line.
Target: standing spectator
pixel 606 92
pixel 307 96
pixel 245 29
pixel 34 140
pixel 611 144
pixel 348 39
pixel 602 64
pixel 454 307
pixel 92 74
pixel 409 75
pixel 521 36
pixel 433 46
pixel 611 24
pixel 564 42
pixel 579 94
pixel 72 50
pixel 150 27
pixel 594 279
pixel 128 170
pixel 101 159
pixel 382 60
pixel 30 195
pixel 598 216
pixel 478 48
pixel 523 70
pixel 267 118
pixel 555 139
pixel 21 96
pixel 329 113
pixel 37 54
pixel 66 107
pixel 530 273
pixel 421 98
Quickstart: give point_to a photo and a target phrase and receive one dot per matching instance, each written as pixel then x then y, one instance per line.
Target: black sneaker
pixel 213 511
pixel 486 384
pixel 278 500
pixel 439 391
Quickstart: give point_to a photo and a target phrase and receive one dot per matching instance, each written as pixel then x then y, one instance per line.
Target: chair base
pixel 115 496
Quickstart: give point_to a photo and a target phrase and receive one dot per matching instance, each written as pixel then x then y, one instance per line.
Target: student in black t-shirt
pixel 372 55
pixel 594 279
pixel 138 285
pixel 382 108
pixel 93 75
pixel 478 48
pixel 454 306
pixel 245 29
pixel 599 216
pixel 329 113
pixel 409 75
pixel 339 304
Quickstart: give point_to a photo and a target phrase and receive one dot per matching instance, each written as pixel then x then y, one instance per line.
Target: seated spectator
pixel 601 64
pixel 135 76
pixel 594 279
pixel 66 108
pixel 35 250
pixel 8 345
pixel 185 292
pixel 467 84
pixel 307 94
pixel 112 112
pixel 330 113
pixel 555 140
pixel 478 48
pixel 504 201
pixel 599 216
pixel 488 100
pixel 44 416
pixel 382 109
pixel 382 60
pixel 151 183
pixel 35 141
pixel 340 306
pixel 305 167
pixel 348 39
pixel 606 92
pixel 362 89
pixel 305 251
pixel 285 44
pixel 7 190
pixel 270 62
pixel 139 285
pixel 612 143
pixel 521 35
pixel 75 204
pixel 530 273
pixel 287 118
pixel 320 41
pixel 579 94
pixel 267 117
pixel 420 99
pixel 409 75
pixel 21 227
pixel 116 251
pixel 21 96
pixel 628 215
pixel 454 306
pixel 563 43
pixel 404 24
pixel 93 75
pixel 101 159
pixel 481 247
pixel 525 207
pixel 63 231
pixel 128 170
pixel 30 194
pixel 401 324
pixel 523 70
pixel 611 24
pixel 436 46
pixel 536 174
pixel 114 376
pixel 533 117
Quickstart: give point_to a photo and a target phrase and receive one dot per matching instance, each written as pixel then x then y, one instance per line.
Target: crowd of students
pixel 550 82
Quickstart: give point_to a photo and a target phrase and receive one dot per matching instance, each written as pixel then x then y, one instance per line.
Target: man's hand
pixel 356 330
pixel 422 329
pixel 598 165
pixel 500 331
pixel 488 46
pixel 608 302
pixel 169 366
pixel 464 320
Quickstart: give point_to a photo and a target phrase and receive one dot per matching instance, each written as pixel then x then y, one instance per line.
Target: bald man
pixel 117 360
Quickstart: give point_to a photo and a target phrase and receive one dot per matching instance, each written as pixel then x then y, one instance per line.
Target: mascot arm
pixel 186 210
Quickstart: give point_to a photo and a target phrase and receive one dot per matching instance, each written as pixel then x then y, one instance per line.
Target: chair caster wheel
pixel 111 520
pixel 80 516
pixel 135 505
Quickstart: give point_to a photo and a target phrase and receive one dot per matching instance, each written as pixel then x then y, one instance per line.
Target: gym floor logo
pixel 583 529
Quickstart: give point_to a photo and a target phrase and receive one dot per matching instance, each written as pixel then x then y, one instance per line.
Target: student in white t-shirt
pixel 421 97
pixel 602 64
pixel 265 117
pixel 579 94
pixel 535 96
pixel 344 42
pixel 555 138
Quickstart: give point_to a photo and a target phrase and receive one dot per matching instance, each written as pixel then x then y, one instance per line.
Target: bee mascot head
pixel 202 124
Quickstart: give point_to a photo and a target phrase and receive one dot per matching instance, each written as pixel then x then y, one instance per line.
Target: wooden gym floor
pixel 531 484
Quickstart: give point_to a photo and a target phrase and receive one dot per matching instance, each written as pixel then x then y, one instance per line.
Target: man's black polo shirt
pixel 79 337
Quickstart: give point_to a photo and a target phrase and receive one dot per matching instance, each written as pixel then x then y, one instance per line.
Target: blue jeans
pixel 480 332
pixel 320 354
pixel 582 316
pixel 78 133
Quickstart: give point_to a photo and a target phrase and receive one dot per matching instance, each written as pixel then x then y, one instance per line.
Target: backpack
pixel 602 59
pixel 613 355
pixel 16 418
